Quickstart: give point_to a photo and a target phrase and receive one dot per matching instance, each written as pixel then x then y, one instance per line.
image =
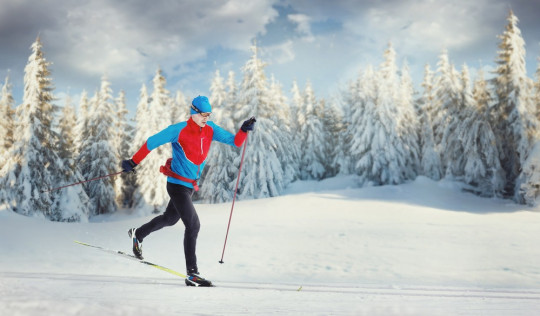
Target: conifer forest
pixel 384 129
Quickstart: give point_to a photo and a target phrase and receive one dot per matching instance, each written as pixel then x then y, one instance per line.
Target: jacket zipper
pixel 202 153
pixel 202 137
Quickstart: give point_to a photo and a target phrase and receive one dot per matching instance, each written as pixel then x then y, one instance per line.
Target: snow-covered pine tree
pixel 82 122
pixel 329 122
pixel 377 148
pixel 125 183
pixel 333 121
pixel 296 106
pixel 359 103
pixel 392 166
pixel 430 160
pixel 514 121
pixel 536 96
pixel 482 95
pixel 262 173
pixel 73 201
pixel 181 109
pixel 32 164
pixel 98 155
pixel 227 118
pixel 446 117
pixel 67 140
pixel 312 138
pixel 530 178
pixel 481 166
pixel 118 120
pixel 342 159
pixel 451 143
pixel 66 127
pixel 218 97
pixel 297 115
pixel 232 90
pixel 141 121
pixel 7 124
pixel 288 149
pixel 7 113
pixel 408 123
pixel 141 133
pixel 353 102
pixel 151 182
pixel 217 91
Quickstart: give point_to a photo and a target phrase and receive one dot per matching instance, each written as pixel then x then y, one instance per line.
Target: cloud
pixel 418 29
pixel 129 39
pixel 279 54
pixel 303 26
pixel 431 25
pixel 448 23
pixel 324 41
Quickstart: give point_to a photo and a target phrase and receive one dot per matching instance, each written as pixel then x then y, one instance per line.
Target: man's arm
pixel 168 135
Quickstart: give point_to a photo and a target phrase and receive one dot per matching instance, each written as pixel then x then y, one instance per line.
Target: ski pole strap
pixel 166 170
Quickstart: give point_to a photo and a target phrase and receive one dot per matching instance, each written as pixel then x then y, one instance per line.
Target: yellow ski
pixel 130 256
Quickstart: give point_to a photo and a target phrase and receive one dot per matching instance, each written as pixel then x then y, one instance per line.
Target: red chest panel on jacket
pixel 195 141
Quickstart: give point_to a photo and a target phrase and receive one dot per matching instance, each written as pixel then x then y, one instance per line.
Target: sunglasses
pixel 205 114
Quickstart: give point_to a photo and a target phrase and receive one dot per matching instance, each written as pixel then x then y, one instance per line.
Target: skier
pixel 190 145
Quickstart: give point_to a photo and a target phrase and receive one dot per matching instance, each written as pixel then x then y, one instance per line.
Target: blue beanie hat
pixel 202 104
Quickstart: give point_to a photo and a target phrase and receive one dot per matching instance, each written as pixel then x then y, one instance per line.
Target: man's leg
pixel 181 198
pixel 169 218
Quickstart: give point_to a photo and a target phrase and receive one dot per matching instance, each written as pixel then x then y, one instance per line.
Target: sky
pixel 324 42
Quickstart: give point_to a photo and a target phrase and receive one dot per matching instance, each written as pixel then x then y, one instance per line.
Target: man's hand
pixel 128 165
pixel 249 124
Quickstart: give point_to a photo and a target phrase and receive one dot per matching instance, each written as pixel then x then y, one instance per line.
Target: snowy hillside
pixel 422 248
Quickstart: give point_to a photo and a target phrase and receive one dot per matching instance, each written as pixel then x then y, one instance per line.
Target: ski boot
pixel 137 245
pixel 195 279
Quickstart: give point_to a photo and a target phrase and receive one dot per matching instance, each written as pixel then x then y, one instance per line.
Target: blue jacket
pixel 190 146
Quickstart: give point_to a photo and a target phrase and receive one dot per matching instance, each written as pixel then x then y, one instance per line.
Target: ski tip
pixel 84 244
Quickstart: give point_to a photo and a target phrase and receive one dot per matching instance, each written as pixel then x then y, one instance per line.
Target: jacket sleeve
pixel 141 154
pixel 168 135
pixel 227 137
pixel 240 138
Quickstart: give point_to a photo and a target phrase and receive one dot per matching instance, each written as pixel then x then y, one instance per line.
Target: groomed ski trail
pixel 364 289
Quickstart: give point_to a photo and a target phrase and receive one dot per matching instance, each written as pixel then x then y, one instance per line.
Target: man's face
pixel 201 119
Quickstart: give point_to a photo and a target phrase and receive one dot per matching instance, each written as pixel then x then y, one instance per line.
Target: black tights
pixel 180 207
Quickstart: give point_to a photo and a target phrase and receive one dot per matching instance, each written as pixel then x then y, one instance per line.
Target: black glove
pixel 128 165
pixel 248 125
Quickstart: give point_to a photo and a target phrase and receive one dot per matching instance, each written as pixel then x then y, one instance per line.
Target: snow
pixel 324 248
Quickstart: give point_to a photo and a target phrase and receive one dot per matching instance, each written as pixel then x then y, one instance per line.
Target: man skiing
pixel 190 145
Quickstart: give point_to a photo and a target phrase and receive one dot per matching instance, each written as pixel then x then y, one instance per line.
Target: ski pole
pixel 234 198
pixel 81 182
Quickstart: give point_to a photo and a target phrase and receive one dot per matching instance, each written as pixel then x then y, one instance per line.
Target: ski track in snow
pixel 318 288
pixel 80 294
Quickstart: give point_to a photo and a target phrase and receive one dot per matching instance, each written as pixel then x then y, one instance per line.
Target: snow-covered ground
pixel 324 248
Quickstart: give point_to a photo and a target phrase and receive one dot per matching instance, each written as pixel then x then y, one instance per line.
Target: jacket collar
pixel 191 124
pixel 194 126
